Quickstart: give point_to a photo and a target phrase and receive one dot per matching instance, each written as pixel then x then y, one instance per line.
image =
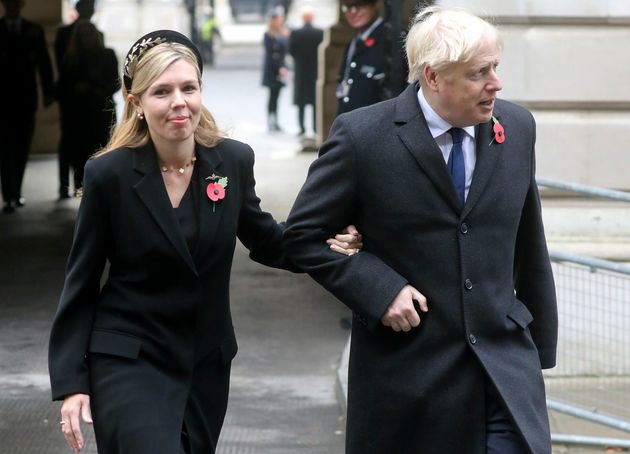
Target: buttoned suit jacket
pixel 137 344
pixel 24 58
pixel 484 269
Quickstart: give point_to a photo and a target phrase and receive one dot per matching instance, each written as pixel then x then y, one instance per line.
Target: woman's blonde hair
pixel 133 132
pixel 439 37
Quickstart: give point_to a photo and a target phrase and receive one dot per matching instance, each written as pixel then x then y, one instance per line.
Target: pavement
pixel 284 380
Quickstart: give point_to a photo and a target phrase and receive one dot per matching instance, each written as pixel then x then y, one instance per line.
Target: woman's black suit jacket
pixel 162 310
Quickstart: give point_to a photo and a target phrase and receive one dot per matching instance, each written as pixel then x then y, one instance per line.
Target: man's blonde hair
pixel 131 131
pixel 439 37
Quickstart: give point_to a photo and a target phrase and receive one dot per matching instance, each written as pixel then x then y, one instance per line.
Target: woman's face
pixel 172 104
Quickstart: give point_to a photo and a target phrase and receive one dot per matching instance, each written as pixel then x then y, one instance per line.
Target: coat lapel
pixel 487 157
pixel 415 135
pixel 210 213
pixel 152 192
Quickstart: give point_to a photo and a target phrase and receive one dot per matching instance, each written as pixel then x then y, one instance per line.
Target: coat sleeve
pixel 258 230
pixel 111 80
pixel 72 324
pixel 534 283
pixel 44 66
pixel 327 202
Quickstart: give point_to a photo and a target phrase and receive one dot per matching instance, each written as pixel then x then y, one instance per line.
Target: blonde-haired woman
pixel 147 356
pixel 276 44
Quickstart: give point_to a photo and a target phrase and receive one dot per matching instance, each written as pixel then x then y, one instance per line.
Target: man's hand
pixel 401 315
pixel 74 406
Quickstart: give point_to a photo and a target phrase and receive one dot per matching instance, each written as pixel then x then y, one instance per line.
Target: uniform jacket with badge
pixel 484 269
pixel 162 304
pixel 366 72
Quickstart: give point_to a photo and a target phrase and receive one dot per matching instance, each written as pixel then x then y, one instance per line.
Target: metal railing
pixel 592 377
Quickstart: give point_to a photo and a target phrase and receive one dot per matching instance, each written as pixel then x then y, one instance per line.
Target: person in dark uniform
pixel 303 44
pixel 23 57
pixel 85 11
pixel 364 65
pixel 146 357
pixel 274 65
pixel 87 82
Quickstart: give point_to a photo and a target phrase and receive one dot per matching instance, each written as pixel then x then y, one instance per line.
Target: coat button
pixel 346 99
pixel 353 64
pixel 463 228
pixel 468 284
pixel 472 339
pixel 350 81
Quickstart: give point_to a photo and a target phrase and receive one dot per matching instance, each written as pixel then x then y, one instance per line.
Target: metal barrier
pixel 592 377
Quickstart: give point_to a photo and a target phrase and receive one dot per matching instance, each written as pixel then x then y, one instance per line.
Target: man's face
pixel 466 92
pixel 13 7
pixel 359 14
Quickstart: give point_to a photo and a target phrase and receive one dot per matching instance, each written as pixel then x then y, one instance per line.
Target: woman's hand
pixel 348 242
pixel 73 406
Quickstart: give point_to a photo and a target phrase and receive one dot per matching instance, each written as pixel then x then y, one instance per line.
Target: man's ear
pixel 430 78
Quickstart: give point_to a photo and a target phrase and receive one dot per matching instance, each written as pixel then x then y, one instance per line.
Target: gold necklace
pixel 181 169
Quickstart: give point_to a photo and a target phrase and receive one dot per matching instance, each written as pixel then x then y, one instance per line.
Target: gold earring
pixel 140 116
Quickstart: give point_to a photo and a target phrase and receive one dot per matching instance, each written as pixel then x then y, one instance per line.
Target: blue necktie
pixel 456 163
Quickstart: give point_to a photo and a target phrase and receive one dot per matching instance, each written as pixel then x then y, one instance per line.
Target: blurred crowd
pixel 88 77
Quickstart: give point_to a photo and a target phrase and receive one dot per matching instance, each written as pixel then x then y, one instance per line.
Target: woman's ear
pixel 133 100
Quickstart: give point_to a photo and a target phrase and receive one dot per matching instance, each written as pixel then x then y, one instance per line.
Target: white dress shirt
pixel 439 130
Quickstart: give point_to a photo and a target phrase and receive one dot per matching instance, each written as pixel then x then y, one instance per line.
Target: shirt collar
pixel 437 125
pixel 366 34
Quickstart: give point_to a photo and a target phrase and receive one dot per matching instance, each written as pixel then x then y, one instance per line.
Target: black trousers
pixel 63 151
pixel 502 437
pixel 301 109
pixel 274 94
pixel 16 135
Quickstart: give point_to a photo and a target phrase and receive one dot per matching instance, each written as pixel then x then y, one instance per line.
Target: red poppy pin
pixel 216 189
pixel 369 41
pixel 499 132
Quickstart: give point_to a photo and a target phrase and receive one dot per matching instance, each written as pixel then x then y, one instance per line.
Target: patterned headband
pixel 151 40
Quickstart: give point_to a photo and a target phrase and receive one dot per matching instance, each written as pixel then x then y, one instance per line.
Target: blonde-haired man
pixel 453 296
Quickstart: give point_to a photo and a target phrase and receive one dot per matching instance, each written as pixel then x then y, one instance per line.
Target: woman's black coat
pixel 274 59
pixel 150 339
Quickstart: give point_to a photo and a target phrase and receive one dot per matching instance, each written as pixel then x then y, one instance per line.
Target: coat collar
pixel 415 135
pixel 487 157
pixel 152 192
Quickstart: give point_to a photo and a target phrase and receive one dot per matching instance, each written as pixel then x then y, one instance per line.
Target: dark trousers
pixel 274 94
pixel 301 110
pixel 502 437
pixel 63 152
pixel 16 134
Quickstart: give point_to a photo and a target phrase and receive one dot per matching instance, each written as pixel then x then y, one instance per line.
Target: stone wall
pixel 568 61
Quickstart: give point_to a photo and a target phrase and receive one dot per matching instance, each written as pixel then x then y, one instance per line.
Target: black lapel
pixel 210 213
pixel 415 134
pixel 151 190
pixel 488 151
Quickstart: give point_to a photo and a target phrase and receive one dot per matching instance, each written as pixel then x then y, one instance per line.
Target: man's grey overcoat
pixel 484 270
